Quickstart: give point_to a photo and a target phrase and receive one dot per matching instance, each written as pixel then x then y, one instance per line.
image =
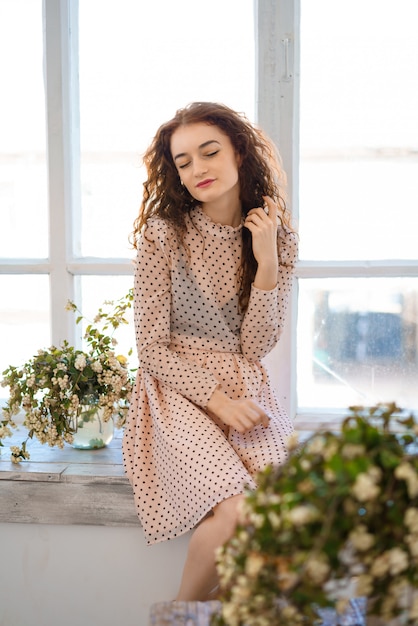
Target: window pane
pixel 95 290
pixel 24 319
pixel 23 181
pixel 148 59
pixel 359 131
pixel 358 342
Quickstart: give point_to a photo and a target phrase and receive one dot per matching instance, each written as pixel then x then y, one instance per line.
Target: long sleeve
pixel 152 306
pixel 264 319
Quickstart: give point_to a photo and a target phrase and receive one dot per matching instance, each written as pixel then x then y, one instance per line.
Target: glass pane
pixel 358 342
pixel 24 319
pixel 359 131
pixel 162 56
pixel 95 290
pixel 23 180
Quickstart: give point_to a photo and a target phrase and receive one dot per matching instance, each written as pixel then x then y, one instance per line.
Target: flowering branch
pixel 338 520
pixel 53 385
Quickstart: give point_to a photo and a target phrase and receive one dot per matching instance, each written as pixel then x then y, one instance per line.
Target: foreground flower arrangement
pixel 55 385
pixel 339 520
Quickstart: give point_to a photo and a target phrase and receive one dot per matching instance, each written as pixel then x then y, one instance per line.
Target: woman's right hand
pixel 241 414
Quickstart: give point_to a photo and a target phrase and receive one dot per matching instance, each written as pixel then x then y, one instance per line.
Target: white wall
pixel 84 575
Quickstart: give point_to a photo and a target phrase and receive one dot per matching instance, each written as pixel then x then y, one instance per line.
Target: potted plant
pixel 338 521
pixel 63 390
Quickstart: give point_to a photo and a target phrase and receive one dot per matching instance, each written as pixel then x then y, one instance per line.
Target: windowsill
pixel 70 486
pixel 66 486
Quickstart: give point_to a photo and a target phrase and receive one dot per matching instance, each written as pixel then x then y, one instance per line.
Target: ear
pixel 238 159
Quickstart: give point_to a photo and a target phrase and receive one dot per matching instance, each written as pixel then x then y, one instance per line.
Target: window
pixel 358 287
pixel 332 83
pixel 102 102
pixel 24 314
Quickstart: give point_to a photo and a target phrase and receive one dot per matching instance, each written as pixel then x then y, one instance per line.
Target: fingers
pixel 263 215
pixel 243 414
pixel 251 415
pixel 270 207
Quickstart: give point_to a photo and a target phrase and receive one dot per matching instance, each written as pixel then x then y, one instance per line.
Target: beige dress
pixel 191 337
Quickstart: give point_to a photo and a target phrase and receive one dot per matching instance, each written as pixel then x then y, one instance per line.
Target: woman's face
pixel 206 162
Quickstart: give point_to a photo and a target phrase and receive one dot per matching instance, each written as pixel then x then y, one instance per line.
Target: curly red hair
pixel 260 174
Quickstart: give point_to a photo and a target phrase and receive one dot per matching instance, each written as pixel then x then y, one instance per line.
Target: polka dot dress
pixel 191 337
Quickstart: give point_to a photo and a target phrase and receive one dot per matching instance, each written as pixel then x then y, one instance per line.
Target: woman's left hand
pixel 263 228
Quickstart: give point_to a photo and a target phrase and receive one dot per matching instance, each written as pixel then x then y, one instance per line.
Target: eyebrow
pixel 202 145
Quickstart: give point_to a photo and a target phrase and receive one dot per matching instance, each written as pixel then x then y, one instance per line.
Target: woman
pixel 214 268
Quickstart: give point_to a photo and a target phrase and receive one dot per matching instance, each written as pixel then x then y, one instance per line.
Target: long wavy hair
pixel 260 174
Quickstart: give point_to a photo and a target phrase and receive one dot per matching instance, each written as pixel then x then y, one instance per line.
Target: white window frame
pixel 65 263
pixel 278 84
pixel 277 24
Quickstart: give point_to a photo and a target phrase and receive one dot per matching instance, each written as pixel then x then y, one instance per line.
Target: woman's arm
pixel 267 308
pixel 152 306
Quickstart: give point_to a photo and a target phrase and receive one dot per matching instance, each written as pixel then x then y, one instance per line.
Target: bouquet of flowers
pixel 54 385
pixel 339 520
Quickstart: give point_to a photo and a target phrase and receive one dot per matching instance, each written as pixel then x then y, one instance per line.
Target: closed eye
pixel 207 155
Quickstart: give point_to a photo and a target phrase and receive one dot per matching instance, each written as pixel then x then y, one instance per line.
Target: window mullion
pixel 277 110
pixel 62 110
pixel 363 269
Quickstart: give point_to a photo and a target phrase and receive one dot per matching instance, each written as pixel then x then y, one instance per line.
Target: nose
pixel 200 168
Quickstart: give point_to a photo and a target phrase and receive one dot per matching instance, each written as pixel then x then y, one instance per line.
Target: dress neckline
pixel 199 217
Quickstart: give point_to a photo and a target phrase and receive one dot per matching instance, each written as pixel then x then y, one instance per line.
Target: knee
pixel 227 512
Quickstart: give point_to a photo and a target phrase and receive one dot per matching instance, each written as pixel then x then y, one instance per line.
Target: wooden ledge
pixel 66 486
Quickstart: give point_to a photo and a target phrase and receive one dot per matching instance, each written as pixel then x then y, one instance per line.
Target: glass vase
pixel 91 431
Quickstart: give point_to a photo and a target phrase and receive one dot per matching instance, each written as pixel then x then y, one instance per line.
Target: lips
pixel 205 183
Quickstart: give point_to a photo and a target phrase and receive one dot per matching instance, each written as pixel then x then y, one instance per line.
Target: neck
pixel 227 212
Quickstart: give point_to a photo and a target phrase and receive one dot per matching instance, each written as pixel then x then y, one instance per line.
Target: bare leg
pixel 199 574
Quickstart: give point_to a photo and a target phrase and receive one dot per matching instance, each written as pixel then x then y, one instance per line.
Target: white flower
pixel 302 514
pixel 365 488
pixel 380 565
pixel 292 441
pixel 398 561
pixel 412 541
pixel 257 519
pixel 63 382
pixel 241 590
pixel 230 614
pixel 329 475
pixel 274 519
pixel 406 472
pixel 330 450
pixel 317 570
pixel 97 367
pixel 253 564
pixel 411 519
pixel 289 612
pixel 361 539
pixel 316 445
pixel 340 588
pixel 31 381
pixel 401 590
pixel 375 473
pixel 243 536
pixel 305 465
pixel 364 585
pixel 80 362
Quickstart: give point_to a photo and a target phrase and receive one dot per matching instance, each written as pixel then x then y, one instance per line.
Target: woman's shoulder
pixel 157 229
pixel 157 233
